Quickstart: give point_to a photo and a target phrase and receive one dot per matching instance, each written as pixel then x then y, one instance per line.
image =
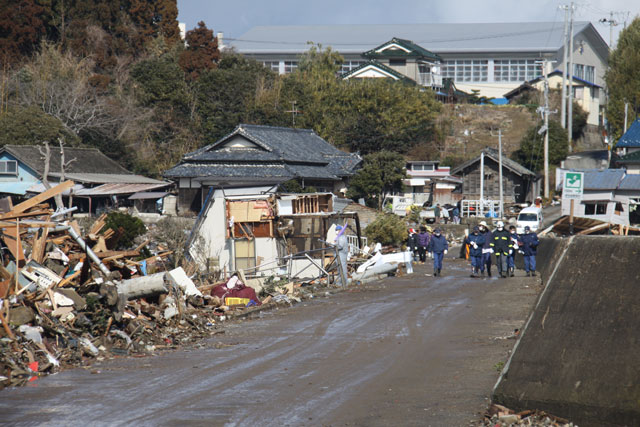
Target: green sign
pixel 573 185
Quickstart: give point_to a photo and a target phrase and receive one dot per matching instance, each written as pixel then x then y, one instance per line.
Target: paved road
pixel 414 350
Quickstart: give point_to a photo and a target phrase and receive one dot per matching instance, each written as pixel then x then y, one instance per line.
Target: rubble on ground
pixel 500 416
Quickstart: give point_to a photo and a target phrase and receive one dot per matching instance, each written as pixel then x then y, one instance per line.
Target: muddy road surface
pixel 412 350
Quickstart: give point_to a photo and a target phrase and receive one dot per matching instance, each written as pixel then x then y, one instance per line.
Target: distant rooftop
pixel 437 38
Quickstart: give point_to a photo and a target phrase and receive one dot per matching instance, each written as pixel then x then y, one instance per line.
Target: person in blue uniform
pixel 475 241
pixel 439 246
pixel 528 243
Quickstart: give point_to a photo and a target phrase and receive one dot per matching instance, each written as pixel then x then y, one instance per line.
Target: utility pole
pixel 482 182
pixel 570 95
pixel 294 111
pixel 546 134
pixel 563 108
pixel 611 23
pixel 500 172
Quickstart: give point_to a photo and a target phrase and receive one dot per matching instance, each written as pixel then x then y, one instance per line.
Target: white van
pixel 530 216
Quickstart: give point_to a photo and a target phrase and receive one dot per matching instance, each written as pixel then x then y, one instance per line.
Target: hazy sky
pixel 235 17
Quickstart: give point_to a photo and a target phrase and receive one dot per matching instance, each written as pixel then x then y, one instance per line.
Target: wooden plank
pixel 10 215
pixel 39 245
pixel 40 198
pixel 594 229
pixel 105 254
pixel 98 224
pixel 12 240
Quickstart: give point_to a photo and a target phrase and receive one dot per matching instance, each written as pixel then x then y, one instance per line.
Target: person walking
pixel 529 243
pixel 342 245
pixel 475 241
pixel 511 259
pixel 436 213
pixel 502 247
pixel 456 215
pixel 423 243
pixel 412 244
pixel 486 249
pixel 439 246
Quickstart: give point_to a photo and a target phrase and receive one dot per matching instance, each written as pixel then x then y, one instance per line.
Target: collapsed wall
pixel 579 353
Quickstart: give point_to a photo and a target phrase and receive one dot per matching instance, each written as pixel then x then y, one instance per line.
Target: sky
pixel 235 17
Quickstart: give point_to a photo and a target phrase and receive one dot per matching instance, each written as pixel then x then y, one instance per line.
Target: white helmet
pixel 500 224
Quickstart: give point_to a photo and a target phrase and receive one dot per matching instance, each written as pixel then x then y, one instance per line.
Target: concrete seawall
pixel 579 354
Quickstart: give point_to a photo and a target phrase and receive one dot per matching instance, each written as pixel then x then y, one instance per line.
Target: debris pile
pixel 67 297
pixel 500 416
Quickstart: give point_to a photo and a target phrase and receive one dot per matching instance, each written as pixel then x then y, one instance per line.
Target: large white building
pixel 492 58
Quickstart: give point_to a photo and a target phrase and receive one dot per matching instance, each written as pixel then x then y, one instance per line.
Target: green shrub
pixel 387 229
pixel 132 227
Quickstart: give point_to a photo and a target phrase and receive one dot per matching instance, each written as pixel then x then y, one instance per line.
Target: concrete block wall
pixel 579 353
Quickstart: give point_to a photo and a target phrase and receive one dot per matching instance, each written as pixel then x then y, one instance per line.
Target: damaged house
pixel 264 233
pixel 261 155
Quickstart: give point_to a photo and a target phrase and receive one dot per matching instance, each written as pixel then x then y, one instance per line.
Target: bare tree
pixel 45 151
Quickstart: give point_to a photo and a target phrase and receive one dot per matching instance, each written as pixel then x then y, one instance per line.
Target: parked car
pixel 531 216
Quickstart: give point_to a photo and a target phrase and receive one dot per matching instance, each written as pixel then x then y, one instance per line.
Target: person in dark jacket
pixel 423 243
pixel 486 249
pixel 439 246
pixel 528 243
pixel 502 247
pixel 475 241
pixel 412 244
pixel 511 259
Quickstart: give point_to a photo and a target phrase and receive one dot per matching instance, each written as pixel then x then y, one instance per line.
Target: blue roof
pixel 630 182
pixel 606 179
pixel 631 137
pixel 499 101
pixel 19 188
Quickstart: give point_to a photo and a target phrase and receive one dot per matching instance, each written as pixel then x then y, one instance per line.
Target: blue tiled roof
pixel 630 182
pixel 631 137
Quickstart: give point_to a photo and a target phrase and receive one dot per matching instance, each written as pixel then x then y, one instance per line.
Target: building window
pixel 415 167
pixel 578 92
pixel 466 70
pixel 349 65
pixel 397 62
pixel 8 167
pixel 272 65
pixel 595 208
pixel 590 73
pixel 578 71
pixel 289 66
pixel 595 94
pixel 515 70
pixel 245 251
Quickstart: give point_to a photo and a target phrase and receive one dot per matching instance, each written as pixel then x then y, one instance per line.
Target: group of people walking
pixel 503 244
pixel 431 243
pixel 482 244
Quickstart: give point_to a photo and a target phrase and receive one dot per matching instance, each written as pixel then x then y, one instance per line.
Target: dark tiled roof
pixel 278 152
pixel 415 50
pixel 383 68
pixel 631 138
pixel 633 157
pixel 88 160
pixel 493 154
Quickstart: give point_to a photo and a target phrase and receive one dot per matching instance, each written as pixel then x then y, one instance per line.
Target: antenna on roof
pixel 294 112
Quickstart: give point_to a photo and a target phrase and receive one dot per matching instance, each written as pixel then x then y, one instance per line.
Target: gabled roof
pixel 397 47
pixel 631 138
pixel 493 154
pixel 277 154
pixel 630 182
pixel 378 68
pixel 88 160
pixel 528 85
pixel 631 158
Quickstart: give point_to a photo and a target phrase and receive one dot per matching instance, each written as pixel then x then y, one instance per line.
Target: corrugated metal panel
pixel 630 182
pixel 108 178
pixel 114 189
pixel 631 137
pixel 145 195
pixel 607 179
pixel 438 38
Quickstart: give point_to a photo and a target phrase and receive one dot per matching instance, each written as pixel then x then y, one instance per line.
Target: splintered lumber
pixel 105 254
pixel 39 245
pixel 98 224
pixel 11 239
pixel 27 204
pixel 594 229
pixel 145 286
